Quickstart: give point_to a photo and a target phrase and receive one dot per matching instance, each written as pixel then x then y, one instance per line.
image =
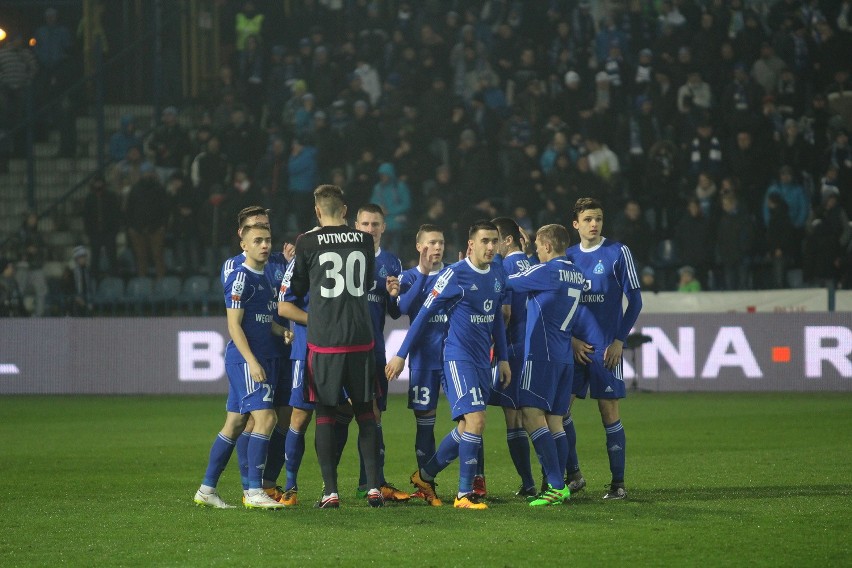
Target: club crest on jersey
pixel 279 276
pixel 383 272
pixel 487 305
pixel 587 285
pixel 599 269
pixel 497 286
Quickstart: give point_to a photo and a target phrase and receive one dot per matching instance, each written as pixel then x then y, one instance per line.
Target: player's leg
pixel 475 383
pixel 579 389
pixel 616 445
pixel 519 448
pixel 342 418
pixel 294 444
pixel 607 386
pixel 537 397
pixel 326 447
pixel 220 452
pixel 358 380
pixel 278 438
pixel 258 401
pixel 424 385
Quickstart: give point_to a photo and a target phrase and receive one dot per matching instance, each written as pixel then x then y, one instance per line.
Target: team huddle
pixel 498 327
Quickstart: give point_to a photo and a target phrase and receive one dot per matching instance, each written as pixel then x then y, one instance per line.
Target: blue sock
pixel 258 447
pixel 294 449
pixel 519 451
pixel 424 439
pixel 448 450
pixel 561 441
pixel 615 446
pixel 220 453
pixel 545 449
pixel 275 457
pixel 480 460
pixel 572 464
pixel 468 460
pixel 242 457
pixel 341 432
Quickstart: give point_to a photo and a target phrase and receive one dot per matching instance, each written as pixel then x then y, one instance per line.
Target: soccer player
pixel 295 309
pixel 336 264
pixel 599 335
pixel 251 361
pixel 274 270
pixel 552 292
pixel 425 361
pixel 470 291
pixel 515 314
pixel 382 300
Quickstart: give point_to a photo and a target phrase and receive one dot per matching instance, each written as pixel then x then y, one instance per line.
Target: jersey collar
pixel 594 248
pixel 513 253
pixel 434 272
pixel 475 269
pixel 378 252
pixel 250 269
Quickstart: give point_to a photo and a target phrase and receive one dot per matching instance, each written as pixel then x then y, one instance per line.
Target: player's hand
pixel 392 286
pixel 258 374
pixel 288 336
pixel 394 367
pixel 581 350
pixel 505 373
pixel 612 354
pixel 289 251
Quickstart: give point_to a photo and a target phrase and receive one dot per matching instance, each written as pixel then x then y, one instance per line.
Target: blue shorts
pixel 284 383
pixel 508 397
pixel 297 387
pixel 467 387
pixel 546 385
pixel 423 388
pixel 245 395
pixel 595 377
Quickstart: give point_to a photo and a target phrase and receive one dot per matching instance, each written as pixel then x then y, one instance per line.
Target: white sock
pixel 207 490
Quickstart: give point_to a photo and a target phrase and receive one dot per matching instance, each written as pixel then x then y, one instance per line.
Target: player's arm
pixel 235 328
pixel 298 272
pixel 288 310
pixel 501 350
pixel 410 292
pixel 630 287
pixel 444 292
pixel 392 286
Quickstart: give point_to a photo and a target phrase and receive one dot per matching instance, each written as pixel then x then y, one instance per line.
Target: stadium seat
pixel 194 294
pixel 139 294
pixel 109 294
pixel 216 296
pixel 166 293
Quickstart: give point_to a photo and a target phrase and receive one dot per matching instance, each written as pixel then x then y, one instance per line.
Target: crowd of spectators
pixel 715 132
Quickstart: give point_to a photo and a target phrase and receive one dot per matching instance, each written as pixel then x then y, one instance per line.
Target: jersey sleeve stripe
pixel 631 268
pixel 529 270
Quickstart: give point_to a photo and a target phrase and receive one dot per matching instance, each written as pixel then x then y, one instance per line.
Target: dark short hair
pixel 248 212
pixel 508 227
pixel 556 235
pixel 481 225
pixel 585 203
pixel 329 198
pixel 371 208
pixel 428 228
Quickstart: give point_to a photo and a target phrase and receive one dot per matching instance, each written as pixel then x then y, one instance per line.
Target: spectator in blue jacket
pixel 394 197
pixel 302 174
pixel 793 193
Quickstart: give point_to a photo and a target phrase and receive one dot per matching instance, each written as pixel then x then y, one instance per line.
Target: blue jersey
pixel 299 345
pixel 471 298
pixel 414 287
pixel 378 300
pixel 274 270
pixel 553 290
pixel 248 289
pixel 610 274
pixel 513 263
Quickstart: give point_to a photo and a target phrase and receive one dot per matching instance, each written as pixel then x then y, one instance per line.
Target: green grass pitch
pixel 713 479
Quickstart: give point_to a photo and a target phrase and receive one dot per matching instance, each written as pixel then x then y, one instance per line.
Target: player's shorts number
pixel 268 396
pixel 422 395
pixel 477 397
pixel 355 257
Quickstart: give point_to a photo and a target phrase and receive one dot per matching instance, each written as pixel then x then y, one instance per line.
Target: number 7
pixel 572 293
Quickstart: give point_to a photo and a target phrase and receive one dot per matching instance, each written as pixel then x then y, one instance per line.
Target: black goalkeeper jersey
pixel 336 265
